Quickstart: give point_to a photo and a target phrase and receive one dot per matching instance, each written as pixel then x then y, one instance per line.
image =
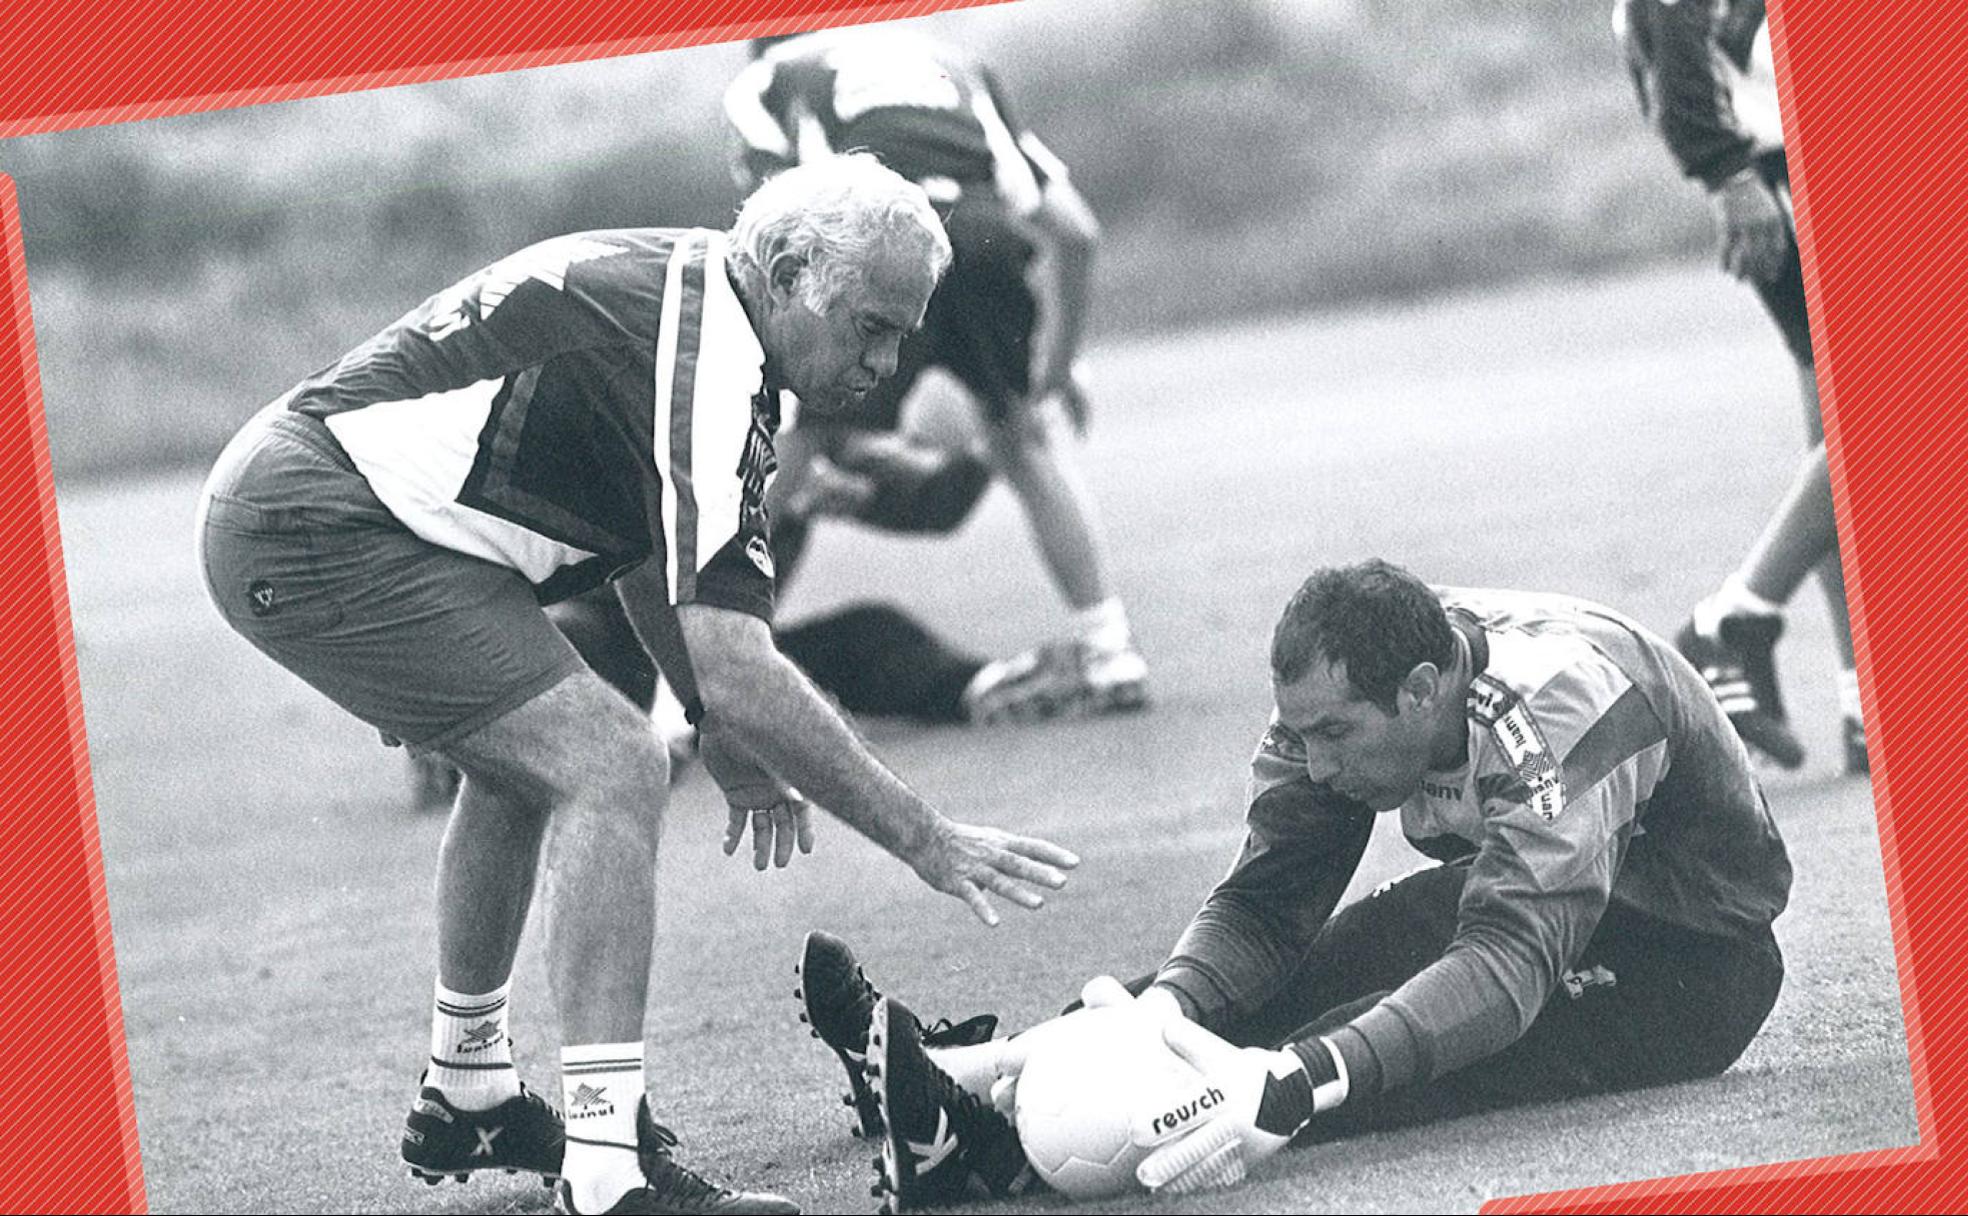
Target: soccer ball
pixel 1083 1084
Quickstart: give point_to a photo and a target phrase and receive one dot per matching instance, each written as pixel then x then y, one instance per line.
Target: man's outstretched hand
pixel 972 863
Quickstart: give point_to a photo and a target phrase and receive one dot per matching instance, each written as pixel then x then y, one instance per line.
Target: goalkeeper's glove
pixel 1249 1103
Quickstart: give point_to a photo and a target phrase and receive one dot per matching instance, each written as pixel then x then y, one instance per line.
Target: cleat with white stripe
pixel 1738 661
pixel 936 1136
pixel 837 1003
pixel 523 1133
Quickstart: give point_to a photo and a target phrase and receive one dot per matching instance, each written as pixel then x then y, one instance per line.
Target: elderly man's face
pixel 831 357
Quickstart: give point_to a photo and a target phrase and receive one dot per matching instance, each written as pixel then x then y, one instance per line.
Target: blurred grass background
pixel 1245 156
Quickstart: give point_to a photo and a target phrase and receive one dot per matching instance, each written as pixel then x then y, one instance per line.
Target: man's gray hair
pixel 833 214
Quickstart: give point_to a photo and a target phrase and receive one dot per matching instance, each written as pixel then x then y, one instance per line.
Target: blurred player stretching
pixel 938 117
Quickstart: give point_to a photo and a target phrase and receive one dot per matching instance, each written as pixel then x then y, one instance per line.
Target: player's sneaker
pixel 838 1003
pixel 1739 662
pixel 1858 762
pixel 1029 687
pixel 936 1135
pixel 522 1133
pixel 1056 679
pixel 1116 680
pixel 672 1188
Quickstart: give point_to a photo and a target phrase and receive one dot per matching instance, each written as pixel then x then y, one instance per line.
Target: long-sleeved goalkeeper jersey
pixel 1599 770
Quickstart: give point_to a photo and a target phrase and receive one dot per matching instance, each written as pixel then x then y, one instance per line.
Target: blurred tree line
pixel 1245 156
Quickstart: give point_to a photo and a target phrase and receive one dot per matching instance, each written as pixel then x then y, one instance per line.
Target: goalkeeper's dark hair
pixel 1375 617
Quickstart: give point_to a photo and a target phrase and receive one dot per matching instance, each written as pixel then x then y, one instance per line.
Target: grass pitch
pixel 1622 441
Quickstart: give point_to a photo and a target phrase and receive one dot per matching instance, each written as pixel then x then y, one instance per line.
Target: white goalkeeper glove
pixel 1249 1104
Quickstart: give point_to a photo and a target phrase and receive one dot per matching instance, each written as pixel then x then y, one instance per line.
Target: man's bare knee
pixel 578 742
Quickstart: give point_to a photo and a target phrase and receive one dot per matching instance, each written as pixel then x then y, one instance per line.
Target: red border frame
pixel 1874 108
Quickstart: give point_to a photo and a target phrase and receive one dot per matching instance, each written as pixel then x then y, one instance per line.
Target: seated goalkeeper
pixel 1597 916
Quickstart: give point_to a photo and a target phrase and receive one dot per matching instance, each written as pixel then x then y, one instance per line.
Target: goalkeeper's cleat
pixel 673 1188
pixel 1858 762
pixel 837 1003
pixel 1738 661
pixel 522 1133
pixel 936 1136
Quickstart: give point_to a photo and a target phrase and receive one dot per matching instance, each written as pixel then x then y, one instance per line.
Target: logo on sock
pixel 587 1102
pixel 482 1037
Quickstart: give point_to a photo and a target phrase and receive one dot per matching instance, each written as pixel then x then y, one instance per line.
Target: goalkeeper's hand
pixel 1249 1103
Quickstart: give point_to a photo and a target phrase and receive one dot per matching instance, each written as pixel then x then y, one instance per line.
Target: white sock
pixel 1848 695
pixel 471 1052
pixel 601 1085
pixel 1732 598
pixel 1104 626
pixel 973 1067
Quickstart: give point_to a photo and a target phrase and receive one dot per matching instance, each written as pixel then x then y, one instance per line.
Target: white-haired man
pixel 598 407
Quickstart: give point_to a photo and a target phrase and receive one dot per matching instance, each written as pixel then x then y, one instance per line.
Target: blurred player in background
pixel 1008 334
pixel 1704 73
pixel 1599 916
pixel 598 408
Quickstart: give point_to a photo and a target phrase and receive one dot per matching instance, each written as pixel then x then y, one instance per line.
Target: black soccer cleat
pixel 936 1136
pixel 672 1188
pixel 837 1003
pixel 1739 663
pixel 519 1134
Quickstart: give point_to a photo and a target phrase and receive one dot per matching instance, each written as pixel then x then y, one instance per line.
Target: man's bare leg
pixel 1107 670
pixel 1800 537
pixel 580 756
pixel 1057 505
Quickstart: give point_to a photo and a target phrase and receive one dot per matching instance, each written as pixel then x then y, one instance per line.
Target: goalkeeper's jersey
pixel 587 404
pixel 1599 769
pixel 928 111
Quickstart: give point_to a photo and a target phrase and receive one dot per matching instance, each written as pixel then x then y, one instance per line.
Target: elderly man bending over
pixel 596 408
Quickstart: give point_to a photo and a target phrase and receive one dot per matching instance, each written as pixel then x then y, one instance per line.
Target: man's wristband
pixel 1327 1070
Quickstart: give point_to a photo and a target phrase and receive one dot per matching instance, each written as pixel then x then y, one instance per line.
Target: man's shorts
pixel 979 323
pixel 1783 296
pixel 425 644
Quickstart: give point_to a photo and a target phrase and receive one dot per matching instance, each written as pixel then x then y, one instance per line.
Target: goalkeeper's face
pixel 1354 746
